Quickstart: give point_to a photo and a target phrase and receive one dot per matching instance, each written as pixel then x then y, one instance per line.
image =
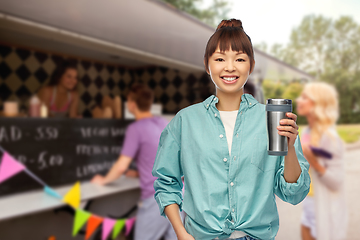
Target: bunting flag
pixel 52 192
pixel 9 167
pixel 93 223
pixel 119 225
pixel 73 196
pixel 129 225
pixel 108 225
pixel 80 219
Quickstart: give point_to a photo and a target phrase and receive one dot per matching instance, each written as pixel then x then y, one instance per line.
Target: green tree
pixel 273 89
pixel 292 91
pixel 261 46
pixel 212 15
pixel 342 67
pixel 311 41
pixel 330 50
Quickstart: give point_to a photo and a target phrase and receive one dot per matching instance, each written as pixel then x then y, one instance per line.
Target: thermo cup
pixel 276 110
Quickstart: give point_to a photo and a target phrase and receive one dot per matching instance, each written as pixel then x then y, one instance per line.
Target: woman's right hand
pixel 186 237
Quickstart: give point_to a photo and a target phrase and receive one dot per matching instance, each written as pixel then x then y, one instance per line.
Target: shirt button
pixel 233 210
pixel 215 115
pixel 232 184
pixel 221 136
pixel 234 158
pixel 207 105
pixel 237 135
pixel 241 112
pixel 250 103
pixel 225 159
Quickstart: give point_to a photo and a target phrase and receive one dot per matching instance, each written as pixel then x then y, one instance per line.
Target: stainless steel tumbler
pixel 276 110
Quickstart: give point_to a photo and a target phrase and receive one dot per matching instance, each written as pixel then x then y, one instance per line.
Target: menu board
pixel 60 151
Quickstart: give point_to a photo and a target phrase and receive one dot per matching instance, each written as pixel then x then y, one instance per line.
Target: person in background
pixel 109 107
pixel 324 214
pixel 61 96
pixel 141 143
pixel 219 146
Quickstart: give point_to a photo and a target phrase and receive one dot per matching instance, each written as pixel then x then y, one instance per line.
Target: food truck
pixel 114 44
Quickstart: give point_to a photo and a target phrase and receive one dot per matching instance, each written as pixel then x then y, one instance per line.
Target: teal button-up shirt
pixel 224 192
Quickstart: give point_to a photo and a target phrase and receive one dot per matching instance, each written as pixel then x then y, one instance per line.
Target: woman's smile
pixel 229 79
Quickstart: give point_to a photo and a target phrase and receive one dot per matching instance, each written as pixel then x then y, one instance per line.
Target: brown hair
pixel 142 95
pixel 60 71
pixel 229 33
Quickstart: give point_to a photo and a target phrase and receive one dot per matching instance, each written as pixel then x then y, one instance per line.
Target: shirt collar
pixel 246 98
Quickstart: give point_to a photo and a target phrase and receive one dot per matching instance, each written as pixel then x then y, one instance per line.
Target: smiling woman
pixel 61 96
pixel 229 60
pixel 217 146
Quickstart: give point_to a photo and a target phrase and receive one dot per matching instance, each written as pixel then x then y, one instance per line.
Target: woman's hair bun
pixel 230 23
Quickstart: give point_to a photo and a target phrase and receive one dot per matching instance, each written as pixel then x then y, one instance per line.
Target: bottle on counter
pixel 43 111
pixel 117 107
pixel 34 106
pixel 11 109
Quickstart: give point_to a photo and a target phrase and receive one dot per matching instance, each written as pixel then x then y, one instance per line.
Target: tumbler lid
pixel 279 105
pixel 278 101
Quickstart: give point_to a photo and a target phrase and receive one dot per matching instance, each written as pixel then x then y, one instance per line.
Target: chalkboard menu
pixel 60 151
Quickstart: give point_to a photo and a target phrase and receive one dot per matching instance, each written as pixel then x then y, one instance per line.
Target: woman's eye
pixel 241 60
pixel 219 59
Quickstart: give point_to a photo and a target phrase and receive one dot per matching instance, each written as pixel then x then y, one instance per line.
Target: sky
pixel 271 21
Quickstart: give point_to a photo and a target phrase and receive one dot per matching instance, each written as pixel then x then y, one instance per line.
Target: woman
pixel 220 147
pixel 324 209
pixel 61 96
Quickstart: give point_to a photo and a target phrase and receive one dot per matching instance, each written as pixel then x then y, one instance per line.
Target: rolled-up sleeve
pixel 167 168
pixel 293 193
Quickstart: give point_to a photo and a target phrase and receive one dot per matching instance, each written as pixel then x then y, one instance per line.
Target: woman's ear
pixel 252 67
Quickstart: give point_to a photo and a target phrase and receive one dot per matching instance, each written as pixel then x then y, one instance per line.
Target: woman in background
pixel 324 209
pixel 61 96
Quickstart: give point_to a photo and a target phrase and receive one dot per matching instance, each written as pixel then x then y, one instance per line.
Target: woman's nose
pixel 230 67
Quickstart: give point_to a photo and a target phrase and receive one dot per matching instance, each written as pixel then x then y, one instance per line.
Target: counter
pixel 61 152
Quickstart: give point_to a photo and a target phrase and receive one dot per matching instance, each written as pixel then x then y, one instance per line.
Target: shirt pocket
pixel 260 157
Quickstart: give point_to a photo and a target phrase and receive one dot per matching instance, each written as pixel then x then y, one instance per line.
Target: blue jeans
pixel 150 224
pixel 245 238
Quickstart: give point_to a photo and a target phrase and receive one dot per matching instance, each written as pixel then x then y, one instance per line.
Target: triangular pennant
pixel 9 167
pixel 119 225
pixel 80 219
pixel 52 192
pixel 129 225
pixel 107 226
pixel 93 223
pixel 72 197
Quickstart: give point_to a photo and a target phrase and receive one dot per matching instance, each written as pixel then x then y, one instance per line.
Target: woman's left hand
pixel 289 128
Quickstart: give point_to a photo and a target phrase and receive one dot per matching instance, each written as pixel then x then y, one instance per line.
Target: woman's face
pixel 69 79
pixel 304 105
pixel 229 70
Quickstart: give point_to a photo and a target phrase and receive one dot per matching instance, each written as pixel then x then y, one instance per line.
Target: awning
pixel 132 33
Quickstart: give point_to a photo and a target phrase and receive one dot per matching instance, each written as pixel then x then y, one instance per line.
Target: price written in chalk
pixel 46 133
pixel 43 161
